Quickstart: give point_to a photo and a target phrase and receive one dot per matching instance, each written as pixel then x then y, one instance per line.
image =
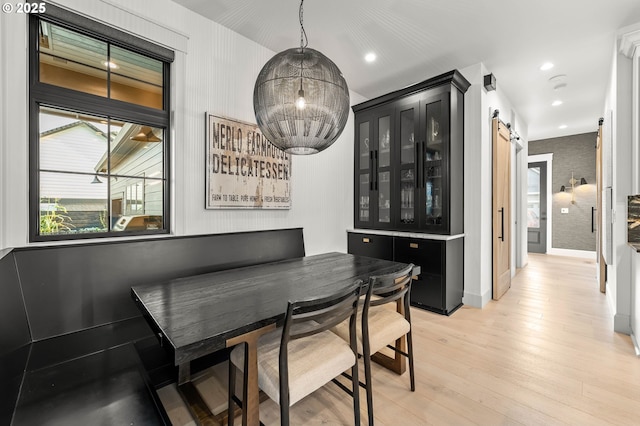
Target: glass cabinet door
pixel 434 169
pixel 364 187
pixel 407 135
pixel 383 165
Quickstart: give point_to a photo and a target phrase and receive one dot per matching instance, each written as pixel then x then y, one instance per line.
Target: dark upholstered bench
pixel 75 350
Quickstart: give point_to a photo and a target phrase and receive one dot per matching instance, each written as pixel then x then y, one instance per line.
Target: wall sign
pixel 244 170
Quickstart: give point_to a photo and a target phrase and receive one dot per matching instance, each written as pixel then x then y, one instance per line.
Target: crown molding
pixel 629 43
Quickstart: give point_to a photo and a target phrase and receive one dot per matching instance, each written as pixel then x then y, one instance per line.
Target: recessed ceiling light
pixel 556 103
pixel 546 66
pixel 370 57
pixel 110 64
pixel 562 126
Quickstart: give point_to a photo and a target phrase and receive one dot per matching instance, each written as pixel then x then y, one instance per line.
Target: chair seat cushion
pixel 313 362
pixel 385 327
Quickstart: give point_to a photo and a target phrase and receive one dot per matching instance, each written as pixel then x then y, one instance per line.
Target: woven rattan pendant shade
pixel 297 130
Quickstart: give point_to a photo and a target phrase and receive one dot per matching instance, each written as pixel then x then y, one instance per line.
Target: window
pixel 99 135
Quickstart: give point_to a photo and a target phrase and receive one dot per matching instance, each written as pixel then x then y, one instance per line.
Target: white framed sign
pixel 244 170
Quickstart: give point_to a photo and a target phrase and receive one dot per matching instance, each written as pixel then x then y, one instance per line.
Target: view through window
pixel 99 124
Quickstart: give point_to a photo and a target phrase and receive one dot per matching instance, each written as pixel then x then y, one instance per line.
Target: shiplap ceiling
pixel 418 39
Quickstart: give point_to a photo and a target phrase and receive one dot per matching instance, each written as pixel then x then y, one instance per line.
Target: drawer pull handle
pixel 366 240
pixel 413 245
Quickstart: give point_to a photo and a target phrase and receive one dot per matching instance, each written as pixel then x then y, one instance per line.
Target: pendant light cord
pixel 304 42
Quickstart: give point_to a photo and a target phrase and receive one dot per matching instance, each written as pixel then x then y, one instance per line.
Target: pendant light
pixel 301 99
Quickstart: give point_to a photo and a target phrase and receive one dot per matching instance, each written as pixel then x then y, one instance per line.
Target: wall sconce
pixel 573 183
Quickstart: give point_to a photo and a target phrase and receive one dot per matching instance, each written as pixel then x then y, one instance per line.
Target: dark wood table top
pixel 197 314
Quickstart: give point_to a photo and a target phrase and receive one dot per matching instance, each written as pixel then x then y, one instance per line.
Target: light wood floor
pixel 545 354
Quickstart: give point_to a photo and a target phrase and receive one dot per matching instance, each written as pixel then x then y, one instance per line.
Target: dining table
pixel 198 315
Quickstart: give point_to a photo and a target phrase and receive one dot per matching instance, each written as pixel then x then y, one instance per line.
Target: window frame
pixel 47 95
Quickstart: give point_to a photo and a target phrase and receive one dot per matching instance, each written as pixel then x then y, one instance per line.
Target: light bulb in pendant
pixel 301 102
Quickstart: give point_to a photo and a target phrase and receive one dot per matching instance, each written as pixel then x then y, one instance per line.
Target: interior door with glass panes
pixel 537 207
pixel 407 153
pixel 383 161
pixel 364 181
pixel 435 152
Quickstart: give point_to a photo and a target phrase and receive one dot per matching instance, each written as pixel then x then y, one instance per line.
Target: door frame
pixel 548 158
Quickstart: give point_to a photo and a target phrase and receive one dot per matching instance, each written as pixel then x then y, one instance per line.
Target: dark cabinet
pixel 409 158
pixel 439 286
pixel 371 245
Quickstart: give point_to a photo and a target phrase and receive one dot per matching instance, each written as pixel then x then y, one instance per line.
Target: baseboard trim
pixel 636 346
pixel 476 300
pixel 610 301
pixel 583 254
pixel 622 324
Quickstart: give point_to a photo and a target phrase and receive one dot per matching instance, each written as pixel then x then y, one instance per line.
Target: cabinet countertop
pixel 407 234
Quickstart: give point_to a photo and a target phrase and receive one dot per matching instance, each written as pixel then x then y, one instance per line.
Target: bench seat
pixel 75 350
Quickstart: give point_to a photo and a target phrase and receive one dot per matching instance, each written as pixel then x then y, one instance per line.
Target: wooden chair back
pixel 304 318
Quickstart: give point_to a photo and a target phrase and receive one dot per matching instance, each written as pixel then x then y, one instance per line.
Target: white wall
pixel 635 283
pixel 13 128
pixel 215 70
pixel 608 166
pixel 624 98
pixel 617 132
pixel 4 130
pixel 621 190
pixel 479 107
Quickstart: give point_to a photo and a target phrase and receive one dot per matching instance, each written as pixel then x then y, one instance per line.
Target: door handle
pixel 593 220
pixel 417 184
pixel 375 156
pixel 371 171
pixel 501 224
pixel 421 183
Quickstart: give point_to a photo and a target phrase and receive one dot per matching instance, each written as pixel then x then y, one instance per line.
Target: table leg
pixel 398 363
pixel 251 391
pixel 199 410
pixel 184 373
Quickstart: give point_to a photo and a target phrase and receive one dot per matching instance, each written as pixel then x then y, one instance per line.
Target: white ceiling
pixel 418 39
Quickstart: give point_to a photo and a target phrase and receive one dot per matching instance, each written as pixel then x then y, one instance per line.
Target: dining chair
pixel 304 355
pixel 379 326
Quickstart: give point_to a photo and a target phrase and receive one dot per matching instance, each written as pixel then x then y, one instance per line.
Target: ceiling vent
pixel 558 82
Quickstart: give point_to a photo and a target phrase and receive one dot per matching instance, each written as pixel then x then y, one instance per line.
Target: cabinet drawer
pixel 426 253
pixel 372 245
